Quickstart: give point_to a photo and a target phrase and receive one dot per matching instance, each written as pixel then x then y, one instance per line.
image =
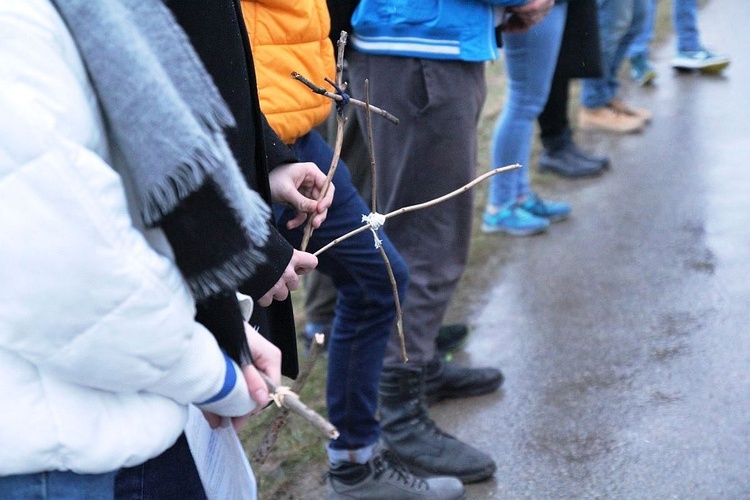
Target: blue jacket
pixel 433 29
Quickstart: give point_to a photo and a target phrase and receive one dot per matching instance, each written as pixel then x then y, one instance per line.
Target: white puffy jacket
pixel 99 352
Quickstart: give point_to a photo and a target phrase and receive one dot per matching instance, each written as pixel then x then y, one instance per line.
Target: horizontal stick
pixel 337 97
pixel 421 205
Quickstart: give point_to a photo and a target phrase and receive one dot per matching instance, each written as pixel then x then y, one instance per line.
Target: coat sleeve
pixel 84 297
pixel 277 152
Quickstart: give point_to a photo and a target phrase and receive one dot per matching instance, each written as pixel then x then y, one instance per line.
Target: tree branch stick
pixel 399 314
pixel 339 140
pixel 272 433
pixel 336 97
pixel 419 206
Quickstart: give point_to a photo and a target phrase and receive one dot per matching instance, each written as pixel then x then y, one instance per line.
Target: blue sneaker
pixel 641 70
pixel 550 210
pixel 702 60
pixel 513 220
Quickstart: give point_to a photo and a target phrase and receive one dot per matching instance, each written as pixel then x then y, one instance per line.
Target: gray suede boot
pixel 410 433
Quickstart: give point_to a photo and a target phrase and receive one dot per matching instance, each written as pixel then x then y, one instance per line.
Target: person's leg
pixel 596 113
pixel 691 54
pixel 57 485
pixel 641 69
pixel 365 310
pixel 320 294
pixel 614 21
pixel 628 26
pixel 530 60
pixel 364 315
pixel 642 41
pixel 560 154
pixel 430 153
pixel 685 18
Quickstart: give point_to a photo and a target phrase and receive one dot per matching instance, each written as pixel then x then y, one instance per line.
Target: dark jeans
pixel 171 475
pixel 57 485
pixel 365 309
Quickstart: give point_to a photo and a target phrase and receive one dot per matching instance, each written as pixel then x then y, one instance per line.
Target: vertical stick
pixel 339 137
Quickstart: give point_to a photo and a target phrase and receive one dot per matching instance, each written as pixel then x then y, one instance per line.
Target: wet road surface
pixel 624 332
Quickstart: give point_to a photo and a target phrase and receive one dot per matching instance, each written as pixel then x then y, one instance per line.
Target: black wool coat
pixel 217 32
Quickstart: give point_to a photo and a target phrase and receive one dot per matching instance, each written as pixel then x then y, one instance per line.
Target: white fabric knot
pixel 375 221
pixel 281 392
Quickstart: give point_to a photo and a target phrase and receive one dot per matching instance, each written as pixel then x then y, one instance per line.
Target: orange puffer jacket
pixel 285 37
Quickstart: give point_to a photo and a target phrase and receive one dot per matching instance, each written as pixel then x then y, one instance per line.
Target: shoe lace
pixel 387 462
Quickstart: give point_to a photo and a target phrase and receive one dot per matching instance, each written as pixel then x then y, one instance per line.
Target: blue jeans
pixel 620 21
pixel 530 60
pixel 685 19
pixel 365 309
pixel 57 485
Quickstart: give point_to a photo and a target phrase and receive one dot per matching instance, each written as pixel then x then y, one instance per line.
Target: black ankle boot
pixel 563 157
pixel 413 437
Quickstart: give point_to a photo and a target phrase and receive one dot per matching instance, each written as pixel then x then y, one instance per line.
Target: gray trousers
pixel 432 151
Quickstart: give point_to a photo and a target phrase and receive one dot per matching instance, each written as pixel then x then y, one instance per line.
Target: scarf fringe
pixel 228 276
pixel 182 181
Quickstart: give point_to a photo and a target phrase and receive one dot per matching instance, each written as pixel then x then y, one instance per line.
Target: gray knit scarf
pixel 167 117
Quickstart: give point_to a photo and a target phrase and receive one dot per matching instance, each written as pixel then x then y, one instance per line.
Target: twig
pixel 272 433
pixel 420 206
pixel 339 139
pixel 336 97
pixel 286 398
pixel 373 176
pixel 374 209
pixel 399 314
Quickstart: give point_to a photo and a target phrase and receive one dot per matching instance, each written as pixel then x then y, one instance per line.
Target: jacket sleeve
pixel 84 297
pixel 277 152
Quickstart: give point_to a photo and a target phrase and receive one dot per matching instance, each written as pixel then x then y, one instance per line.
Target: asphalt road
pixel 623 332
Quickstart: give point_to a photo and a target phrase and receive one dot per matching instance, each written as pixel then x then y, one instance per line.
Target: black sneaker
pixel 383 476
pixel 444 380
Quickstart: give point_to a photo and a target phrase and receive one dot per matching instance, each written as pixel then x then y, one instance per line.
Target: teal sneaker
pixel 701 60
pixel 513 220
pixel 549 210
pixel 641 70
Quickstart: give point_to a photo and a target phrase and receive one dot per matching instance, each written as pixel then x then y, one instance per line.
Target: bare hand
pixel 266 358
pixel 523 17
pixel 300 185
pixel 300 264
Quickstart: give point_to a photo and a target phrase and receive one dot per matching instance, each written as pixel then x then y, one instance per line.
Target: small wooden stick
pixel 426 204
pixel 399 314
pixel 272 433
pixel 339 140
pixel 336 97
pixel 286 398
pixel 374 209
pixel 373 176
